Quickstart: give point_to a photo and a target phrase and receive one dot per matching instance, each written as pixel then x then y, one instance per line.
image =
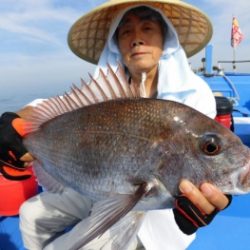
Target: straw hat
pixel 88 35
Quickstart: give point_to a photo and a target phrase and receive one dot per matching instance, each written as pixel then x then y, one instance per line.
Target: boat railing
pixel 236 97
pixel 233 62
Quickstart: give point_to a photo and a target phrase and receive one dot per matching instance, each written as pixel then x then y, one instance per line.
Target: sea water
pixel 13 98
pixel 18 89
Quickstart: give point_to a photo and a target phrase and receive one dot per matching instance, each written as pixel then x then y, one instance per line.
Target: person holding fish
pixel 150 40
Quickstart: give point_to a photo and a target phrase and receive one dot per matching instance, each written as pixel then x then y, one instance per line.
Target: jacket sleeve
pixel 160 231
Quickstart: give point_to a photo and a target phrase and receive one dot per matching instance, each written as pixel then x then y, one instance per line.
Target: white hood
pixel 182 86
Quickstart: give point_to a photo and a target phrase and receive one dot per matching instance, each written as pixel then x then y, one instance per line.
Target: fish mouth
pixel 244 177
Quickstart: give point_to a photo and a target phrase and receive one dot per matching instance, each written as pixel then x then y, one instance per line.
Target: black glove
pixel 11 149
pixel 189 218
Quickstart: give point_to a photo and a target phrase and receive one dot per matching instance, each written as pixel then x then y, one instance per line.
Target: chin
pixel 141 65
pixel 142 68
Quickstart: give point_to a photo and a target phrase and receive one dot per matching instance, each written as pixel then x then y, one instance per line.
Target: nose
pixel 136 42
pixel 137 39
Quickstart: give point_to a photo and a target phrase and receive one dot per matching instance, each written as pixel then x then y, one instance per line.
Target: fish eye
pixel 210 144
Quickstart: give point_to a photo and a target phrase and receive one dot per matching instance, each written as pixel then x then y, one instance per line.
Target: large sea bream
pixel 130 153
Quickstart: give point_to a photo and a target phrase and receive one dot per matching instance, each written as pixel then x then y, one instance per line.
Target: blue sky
pixel 35 57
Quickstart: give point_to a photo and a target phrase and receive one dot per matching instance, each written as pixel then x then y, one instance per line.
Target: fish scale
pixel 104 139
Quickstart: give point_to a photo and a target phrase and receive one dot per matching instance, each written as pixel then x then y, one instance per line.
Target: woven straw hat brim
pixel 88 35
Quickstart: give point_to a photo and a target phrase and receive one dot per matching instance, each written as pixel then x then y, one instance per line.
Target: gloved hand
pixel 189 218
pixel 11 147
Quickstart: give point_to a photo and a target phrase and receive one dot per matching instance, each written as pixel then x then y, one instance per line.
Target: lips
pixel 139 53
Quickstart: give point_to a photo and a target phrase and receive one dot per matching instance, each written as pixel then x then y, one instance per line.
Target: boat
pixel 230 229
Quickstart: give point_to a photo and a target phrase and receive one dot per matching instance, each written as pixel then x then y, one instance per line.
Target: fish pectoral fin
pixel 122 235
pixel 106 213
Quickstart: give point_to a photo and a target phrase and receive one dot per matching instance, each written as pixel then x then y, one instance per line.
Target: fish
pixel 128 154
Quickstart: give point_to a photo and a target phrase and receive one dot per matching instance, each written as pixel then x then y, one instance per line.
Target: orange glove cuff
pixel 20 126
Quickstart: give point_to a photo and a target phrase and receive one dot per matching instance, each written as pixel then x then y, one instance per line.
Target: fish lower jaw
pixel 244 177
pixel 240 180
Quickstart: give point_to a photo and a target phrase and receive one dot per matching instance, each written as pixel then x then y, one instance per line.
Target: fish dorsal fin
pixel 109 86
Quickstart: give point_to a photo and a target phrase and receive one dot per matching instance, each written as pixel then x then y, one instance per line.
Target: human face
pixel 141 43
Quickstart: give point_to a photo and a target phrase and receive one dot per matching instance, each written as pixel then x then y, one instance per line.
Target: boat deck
pixel 229 230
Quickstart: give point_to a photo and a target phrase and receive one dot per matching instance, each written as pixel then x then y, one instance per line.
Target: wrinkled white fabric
pixel 35 102
pixel 159 231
